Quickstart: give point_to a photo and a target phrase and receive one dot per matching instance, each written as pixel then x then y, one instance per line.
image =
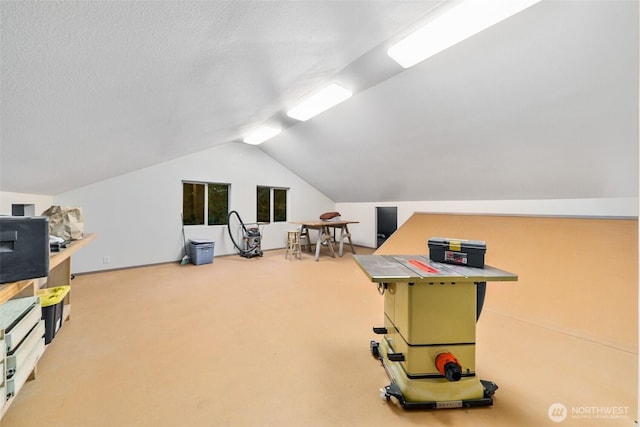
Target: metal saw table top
pixel 419 269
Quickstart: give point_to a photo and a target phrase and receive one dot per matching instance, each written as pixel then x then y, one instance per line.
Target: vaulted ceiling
pixel 542 105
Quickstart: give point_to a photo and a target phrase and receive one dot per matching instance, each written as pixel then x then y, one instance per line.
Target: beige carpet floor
pixel 273 342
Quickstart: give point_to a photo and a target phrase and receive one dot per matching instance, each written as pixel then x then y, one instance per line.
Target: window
pixel 279 204
pixel 218 203
pixel 205 200
pixel 267 197
pixel 192 203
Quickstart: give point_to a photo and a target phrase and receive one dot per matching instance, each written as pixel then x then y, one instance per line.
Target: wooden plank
pixel 318 224
pixel 11 290
pixel 58 257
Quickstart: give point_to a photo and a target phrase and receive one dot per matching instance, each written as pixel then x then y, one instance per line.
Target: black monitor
pixel 24 248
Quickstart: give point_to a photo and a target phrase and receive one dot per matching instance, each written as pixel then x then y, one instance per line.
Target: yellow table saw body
pixel 429 309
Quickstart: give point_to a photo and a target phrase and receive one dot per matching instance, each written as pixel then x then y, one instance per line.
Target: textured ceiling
pixel 543 105
pixel 102 88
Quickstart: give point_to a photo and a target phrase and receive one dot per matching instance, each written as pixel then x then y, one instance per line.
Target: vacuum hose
pixel 449 366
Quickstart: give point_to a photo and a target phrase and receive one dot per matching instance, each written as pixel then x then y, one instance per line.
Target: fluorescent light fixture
pixel 318 102
pixel 462 21
pixel 261 134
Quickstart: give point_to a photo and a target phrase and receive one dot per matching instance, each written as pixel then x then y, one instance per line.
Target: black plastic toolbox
pixel 457 251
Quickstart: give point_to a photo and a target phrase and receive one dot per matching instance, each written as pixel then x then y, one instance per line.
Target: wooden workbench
pixel 59 274
pixel 324 234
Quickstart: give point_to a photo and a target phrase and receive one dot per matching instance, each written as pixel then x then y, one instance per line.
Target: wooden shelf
pixel 57 258
pixel 12 290
pixel 59 273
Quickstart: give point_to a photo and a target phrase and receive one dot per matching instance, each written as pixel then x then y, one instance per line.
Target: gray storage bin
pixel 201 251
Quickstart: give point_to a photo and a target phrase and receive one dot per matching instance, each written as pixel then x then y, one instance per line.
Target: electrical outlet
pixel 106 259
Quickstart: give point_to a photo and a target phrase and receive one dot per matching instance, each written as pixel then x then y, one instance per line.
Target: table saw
pixel 429 334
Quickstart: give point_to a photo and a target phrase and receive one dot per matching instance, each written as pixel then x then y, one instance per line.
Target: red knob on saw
pixel 448 365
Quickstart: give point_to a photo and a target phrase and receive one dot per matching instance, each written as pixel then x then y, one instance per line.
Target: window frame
pixel 273 210
pixel 206 202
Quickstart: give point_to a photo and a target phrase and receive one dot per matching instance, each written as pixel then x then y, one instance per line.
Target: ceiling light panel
pixel 462 21
pixel 261 134
pixel 320 101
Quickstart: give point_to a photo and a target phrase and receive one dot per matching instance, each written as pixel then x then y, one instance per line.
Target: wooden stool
pixel 293 244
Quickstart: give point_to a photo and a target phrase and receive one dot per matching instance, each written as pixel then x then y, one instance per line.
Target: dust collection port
pixel 448 366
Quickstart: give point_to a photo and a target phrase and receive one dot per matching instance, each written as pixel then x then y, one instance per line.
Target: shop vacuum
pixel 251 237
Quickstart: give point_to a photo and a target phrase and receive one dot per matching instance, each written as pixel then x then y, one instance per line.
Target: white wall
pixel 136 216
pixel 364 234
pixel 40 201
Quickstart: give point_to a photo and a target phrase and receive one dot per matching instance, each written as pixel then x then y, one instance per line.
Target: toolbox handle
pixel 8 240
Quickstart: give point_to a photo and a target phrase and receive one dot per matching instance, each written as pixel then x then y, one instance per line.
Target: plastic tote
pixel 52 302
pixel 201 251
